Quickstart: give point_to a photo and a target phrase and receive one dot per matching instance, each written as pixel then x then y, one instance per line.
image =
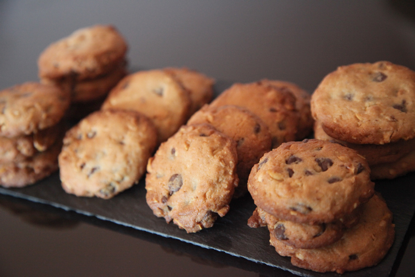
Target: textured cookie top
pixel 200 86
pixel 106 153
pixel 248 131
pixel 362 246
pixel 155 93
pixel 310 182
pixel 275 107
pixel 86 53
pixel 367 103
pixel 192 177
pixel 30 107
pixel 302 104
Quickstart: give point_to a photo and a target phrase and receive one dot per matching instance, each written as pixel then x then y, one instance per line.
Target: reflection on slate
pixel 230 234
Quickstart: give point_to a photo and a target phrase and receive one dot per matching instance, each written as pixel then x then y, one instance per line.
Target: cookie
pixel 312 181
pixel 275 107
pixel 302 104
pixel 192 177
pixel 155 93
pixel 85 54
pixel 200 86
pixel 367 103
pixel 32 169
pixel 106 153
pixel 374 153
pixel 297 235
pixel 395 169
pixel 248 131
pixel 362 246
pixel 31 107
pixel 19 148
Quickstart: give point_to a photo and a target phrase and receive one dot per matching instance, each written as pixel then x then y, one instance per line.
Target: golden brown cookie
pixel 367 103
pixel 298 235
pixel 31 107
pixel 200 86
pixel 85 54
pixel 106 153
pixel 155 93
pixel 362 246
pixel 374 153
pixel 395 169
pixel 248 131
pixel 312 181
pixel 275 107
pixel 19 148
pixel 31 169
pixel 192 177
pixel 302 104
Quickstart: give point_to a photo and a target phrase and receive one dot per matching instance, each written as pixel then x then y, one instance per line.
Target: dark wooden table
pixel 232 41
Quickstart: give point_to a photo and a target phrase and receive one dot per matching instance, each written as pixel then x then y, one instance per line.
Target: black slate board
pixel 230 234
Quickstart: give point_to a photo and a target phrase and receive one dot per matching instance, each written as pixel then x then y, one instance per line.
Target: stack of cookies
pixel 31 132
pixel 370 108
pixel 168 97
pixel 318 201
pixel 88 63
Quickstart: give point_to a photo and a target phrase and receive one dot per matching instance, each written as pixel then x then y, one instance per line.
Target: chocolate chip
pixel 108 191
pixel 359 168
pixel 175 183
pixel 92 171
pixel 264 161
pixel 257 128
pixel 82 166
pixel 282 125
pixel 305 140
pixel 279 232
pixel 202 135
pixel 273 110
pixel 322 230
pixel 169 208
pixel 290 172
pixel 158 91
pixel 240 142
pixel 324 163
pixel 302 209
pixel 401 107
pixel 348 96
pixel 293 159
pixel 308 173
pixel 91 134
pixel 173 151
pixel 353 257
pixel 334 180
pixel 164 199
pixel 378 77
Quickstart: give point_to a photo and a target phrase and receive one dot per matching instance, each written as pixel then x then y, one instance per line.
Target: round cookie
pixel 297 235
pixel 275 107
pixel 155 93
pixel 302 104
pixel 30 107
pixel 362 246
pixel 248 131
pixel 199 86
pixel 106 153
pixel 19 148
pixel 31 169
pixel 86 53
pixel 374 153
pixel 192 177
pixel 395 169
pixel 312 181
pixel 367 103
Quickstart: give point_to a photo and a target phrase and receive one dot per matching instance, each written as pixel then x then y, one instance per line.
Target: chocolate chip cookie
pixel 367 103
pixel 155 93
pixel 310 182
pixel 106 153
pixel 192 177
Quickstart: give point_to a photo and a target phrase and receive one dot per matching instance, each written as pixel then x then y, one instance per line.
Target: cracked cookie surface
pixel 367 103
pixel 106 153
pixel 192 177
